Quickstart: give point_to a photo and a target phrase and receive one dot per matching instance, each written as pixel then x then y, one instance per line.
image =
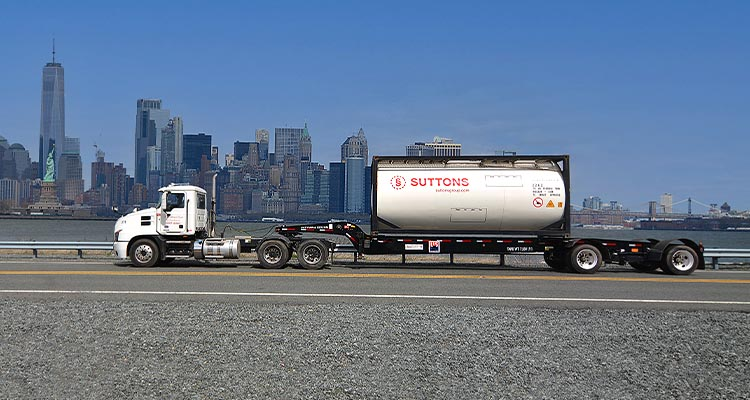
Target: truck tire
pixel 312 254
pixel 273 254
pixel 679 260
pixel 556 261
pixel 643 267
pixel 585 259
pixel 144 253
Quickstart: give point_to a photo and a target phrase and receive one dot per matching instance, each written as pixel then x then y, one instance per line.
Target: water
pixel 102 231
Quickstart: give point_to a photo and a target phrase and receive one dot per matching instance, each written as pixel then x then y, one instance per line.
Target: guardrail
pixel 716 254
pixel 34 246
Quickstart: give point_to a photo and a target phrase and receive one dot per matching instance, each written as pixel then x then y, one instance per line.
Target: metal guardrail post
pixel 715 263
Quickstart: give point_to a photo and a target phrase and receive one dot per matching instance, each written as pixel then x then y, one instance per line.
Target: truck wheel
pixel 585 259
pixel 643 267
pixel 556 261
pixel 144 253
pixel 312 254
pixel 680 260
pixel 273 254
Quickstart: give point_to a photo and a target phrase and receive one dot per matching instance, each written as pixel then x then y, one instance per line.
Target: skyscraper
pixel 316 191
pixel 355 146
pixel 438 147
pixel 419 149
pixel 305 148
pixel 241 149
pixel 150 119
pixel 169 151
pixel 355 185
pixel 336 186
pixel 70 171
pixel 194 148
pixel 52 126
pixel 262 136
pixel 665 203
pixel 177 126
pixel 287 143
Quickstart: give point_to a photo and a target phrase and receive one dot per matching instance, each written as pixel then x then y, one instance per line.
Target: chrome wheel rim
pixel 312 255
pixel 682 260
pixel 272 254
pixel 587 259
pixel 144 253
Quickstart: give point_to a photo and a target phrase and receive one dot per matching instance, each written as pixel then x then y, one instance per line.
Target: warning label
pixel 538 202
pixel 550 204
pixel 542 189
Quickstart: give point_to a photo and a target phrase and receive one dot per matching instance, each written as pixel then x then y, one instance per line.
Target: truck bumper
pixel 120 249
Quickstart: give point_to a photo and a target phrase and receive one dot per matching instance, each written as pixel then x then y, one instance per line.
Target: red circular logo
pixel 398 182
pixel 538 202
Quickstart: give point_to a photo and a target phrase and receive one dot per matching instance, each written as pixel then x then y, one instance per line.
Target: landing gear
pixel 557 261
pixel 644 267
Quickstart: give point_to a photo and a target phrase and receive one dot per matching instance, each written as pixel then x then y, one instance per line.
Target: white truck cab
pixel 179 226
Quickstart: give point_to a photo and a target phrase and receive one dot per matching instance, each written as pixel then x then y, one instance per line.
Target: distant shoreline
pixel 57 217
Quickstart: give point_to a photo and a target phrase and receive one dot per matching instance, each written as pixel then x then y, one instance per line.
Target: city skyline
pixel 646 98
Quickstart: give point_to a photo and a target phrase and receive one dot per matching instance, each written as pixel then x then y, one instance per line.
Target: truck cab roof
pixel 182 187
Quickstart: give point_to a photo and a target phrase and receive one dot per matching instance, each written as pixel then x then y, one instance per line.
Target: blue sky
pixel 646 96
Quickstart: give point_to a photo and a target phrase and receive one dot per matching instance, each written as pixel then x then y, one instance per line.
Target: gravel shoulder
pixel 93 349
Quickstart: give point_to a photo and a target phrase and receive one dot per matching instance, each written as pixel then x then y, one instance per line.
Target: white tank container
pixel 486 194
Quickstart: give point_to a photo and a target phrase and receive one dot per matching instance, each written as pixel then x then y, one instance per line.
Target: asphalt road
pixel 435 283
pixel 94 330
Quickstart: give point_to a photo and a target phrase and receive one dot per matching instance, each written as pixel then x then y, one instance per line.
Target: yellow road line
pixel 303 275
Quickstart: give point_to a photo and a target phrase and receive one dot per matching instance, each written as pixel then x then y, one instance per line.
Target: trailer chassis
pixel 561 253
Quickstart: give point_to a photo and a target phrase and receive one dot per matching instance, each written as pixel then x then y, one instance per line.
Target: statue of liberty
pixel 49 175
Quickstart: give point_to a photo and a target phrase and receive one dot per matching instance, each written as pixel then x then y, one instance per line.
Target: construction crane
pixel 99 152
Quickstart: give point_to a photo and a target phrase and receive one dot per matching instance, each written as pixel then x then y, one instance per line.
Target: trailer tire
pixel 557 261
pixel 679 260
pixel 144 253
pixel 312 254
pixel 585 259
pixel 644 267
pixel 273 254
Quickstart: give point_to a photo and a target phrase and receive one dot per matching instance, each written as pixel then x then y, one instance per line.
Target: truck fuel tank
pixel 216 248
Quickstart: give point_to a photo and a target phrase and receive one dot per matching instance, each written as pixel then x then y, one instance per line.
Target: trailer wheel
pixel 643 267
pixel 273 254
pixel 556 261
pixel 144 253
pixel 680 260
pixel 585 259
pixel 312 254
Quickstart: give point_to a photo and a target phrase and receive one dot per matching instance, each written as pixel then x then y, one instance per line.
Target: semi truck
pixel 420 205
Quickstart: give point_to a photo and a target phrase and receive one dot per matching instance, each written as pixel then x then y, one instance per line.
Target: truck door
pixel 173 218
